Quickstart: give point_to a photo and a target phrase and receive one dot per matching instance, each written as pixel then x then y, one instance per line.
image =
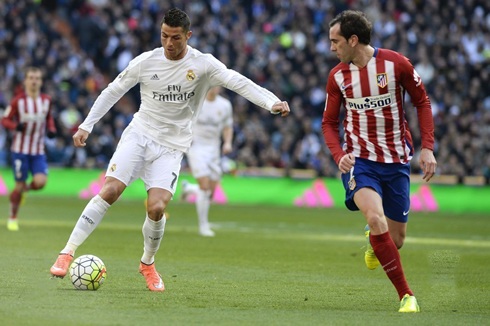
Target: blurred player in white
pixel 174 80
pixel 214 121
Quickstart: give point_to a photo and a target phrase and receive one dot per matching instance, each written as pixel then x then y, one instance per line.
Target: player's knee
pixel 376 220
pixel 37 185
pixel 156 210
pixel 110 194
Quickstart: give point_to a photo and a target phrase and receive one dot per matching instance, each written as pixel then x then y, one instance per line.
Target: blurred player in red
pixel 375 158
pixel 28 115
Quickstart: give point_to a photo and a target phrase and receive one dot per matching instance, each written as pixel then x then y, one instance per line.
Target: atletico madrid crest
pixel 382 80
pixel 352 183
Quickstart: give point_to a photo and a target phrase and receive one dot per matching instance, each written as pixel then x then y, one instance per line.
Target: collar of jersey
pixel 374 54
pixel 176 61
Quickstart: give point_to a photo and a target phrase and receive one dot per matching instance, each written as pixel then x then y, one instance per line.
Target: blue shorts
pixel 23 163
pixel 390 180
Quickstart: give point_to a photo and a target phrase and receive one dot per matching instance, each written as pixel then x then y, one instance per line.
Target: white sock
pixel 88 221
pixel 202 206
pixel 152 235
pixel 191 188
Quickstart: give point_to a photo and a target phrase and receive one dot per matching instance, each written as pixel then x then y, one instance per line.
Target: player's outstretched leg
pixel 152 277
pixel 369 257
pixel 60 267
pixel 409 304
pixel 88 221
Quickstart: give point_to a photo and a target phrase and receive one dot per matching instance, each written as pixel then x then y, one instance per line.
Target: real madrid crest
pixel 191 75
pixel 113 167
pixel 352 183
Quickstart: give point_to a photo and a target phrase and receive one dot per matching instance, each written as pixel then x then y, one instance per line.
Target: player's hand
pixel 281 107
pixel 427 163
pixel 227 148
pixel 80 137
pixel 20 126
pixel 346 163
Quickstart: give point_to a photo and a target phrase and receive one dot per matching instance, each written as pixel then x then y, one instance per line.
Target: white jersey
pixel 214 117
pixel 172 93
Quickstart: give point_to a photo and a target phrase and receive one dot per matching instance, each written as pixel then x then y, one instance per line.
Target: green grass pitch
pixel 266 266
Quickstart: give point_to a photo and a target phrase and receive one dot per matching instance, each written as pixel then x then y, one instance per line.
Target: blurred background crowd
pixel 283 45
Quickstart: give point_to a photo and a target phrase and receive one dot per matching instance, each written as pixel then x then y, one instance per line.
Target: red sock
pixel 15 197
pixel 389 257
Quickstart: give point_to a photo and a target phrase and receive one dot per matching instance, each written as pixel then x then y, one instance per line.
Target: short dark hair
pixel 177 18
pixel 353 22
pixel 33 69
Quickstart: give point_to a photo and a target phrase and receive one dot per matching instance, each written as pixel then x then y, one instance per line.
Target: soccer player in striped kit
pixel 28 115
pixel 375 157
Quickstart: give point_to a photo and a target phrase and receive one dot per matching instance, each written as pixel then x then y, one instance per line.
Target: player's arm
pixel 106 100
pixel 228 78
pixel 227 140
pixel 50 125
pixel 227 133
pixel 330 126
pixel 109 96
pixel 412 82
pixel 10 119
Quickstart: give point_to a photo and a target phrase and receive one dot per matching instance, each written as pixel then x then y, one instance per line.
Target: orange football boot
pixel 62 264
pixel 152 277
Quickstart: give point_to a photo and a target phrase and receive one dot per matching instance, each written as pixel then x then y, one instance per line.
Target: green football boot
pixel 369 257
pixel 409 304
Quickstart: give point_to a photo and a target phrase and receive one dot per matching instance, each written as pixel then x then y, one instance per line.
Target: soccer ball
pixel 87 272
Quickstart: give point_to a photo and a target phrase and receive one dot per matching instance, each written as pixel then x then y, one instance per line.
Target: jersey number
pixel 173 181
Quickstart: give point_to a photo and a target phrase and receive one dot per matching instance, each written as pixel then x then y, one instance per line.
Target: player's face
pixel 340 45
pixel 174 41
pixel 33 81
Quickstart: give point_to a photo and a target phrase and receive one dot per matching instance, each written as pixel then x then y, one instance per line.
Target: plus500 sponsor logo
pixel 370 102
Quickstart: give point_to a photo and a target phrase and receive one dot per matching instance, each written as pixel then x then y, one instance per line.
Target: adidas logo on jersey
pixel 154 77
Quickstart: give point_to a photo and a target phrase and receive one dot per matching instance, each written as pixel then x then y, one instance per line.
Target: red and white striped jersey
pixel 36 114
pixel 375 125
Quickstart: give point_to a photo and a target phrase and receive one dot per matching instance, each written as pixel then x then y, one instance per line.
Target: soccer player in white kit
pixel 214 121
pixel 174 81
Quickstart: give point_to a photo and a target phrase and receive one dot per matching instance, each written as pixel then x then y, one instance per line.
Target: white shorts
pixel 205 161
pixel 138 157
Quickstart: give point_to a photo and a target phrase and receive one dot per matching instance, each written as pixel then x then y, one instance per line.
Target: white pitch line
pixel 281 233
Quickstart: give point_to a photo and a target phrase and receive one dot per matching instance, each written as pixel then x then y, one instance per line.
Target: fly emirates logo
pixel 370 102
pixel 173 94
